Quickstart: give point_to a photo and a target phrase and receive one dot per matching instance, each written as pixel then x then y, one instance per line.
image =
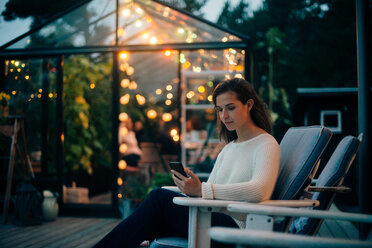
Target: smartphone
pixel 177 166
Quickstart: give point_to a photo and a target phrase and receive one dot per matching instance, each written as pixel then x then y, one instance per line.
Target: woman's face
pixel 232 112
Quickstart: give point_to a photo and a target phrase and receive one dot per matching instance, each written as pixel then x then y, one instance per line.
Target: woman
pixel 245 170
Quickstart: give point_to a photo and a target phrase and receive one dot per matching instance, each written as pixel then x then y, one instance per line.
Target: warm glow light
pixel 122 164
pixel 32 95
pixel 126 12
pixel 153 40
pixel 158 91
pixel 238 75
pixel 168 102
pixel 210 84
pixel 141 100
pixel 169 95
pixel 124 83
pixel 138 23
pixel 210 98
pixel 186 65
pixel 120 195
pixel 19 69
pixel 39 96
pixel 123 67
pixel 12 61
pixel 14 92
pixel 224 39
pixel 139 11
pixel 173 132
pixel 16 63
pixel 62 138
pixel 130 70
pixel 145 35
pixel 181 31
pixel 169 87
pixel 167 53
pixel 124 99
pixel 11 70
pixel 123 148
pixel 201 89
pixel 50 95
pixel 120 181
pixel 121 31
pixel 166 117
pixel 124 55
pixel 133 85
pixel 148 20
pixel 190 94
pixel 92 86
pixel 151 114
pixel 123 116
pixel 40 90
pixel 176 138
pixel 123 131
pixel 196 69
pixel 27 77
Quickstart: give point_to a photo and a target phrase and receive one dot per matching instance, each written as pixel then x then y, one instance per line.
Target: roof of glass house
pixel 101 25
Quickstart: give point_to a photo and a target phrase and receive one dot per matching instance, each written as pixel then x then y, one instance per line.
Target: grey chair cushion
pixel 332 175
pixel 300 150
pixel 169 242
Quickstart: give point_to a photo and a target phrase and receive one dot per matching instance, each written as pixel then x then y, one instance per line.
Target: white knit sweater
pixel 244 171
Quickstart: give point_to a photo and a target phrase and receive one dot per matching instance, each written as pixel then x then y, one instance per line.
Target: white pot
pixel 50 208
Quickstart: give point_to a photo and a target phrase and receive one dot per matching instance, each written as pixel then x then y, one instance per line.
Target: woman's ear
pixel 250 104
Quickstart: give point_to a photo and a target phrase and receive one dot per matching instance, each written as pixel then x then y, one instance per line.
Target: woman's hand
pixel 188 185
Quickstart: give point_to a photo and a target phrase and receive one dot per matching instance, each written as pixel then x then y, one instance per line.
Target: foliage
pixel 192 6
pixel 4 99
pixel 81 137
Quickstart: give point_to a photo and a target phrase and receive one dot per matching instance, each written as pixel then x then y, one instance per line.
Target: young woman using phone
pixel 245 170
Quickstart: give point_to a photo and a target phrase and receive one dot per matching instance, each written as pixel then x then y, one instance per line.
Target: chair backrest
pixel 300 150
pixel 332 175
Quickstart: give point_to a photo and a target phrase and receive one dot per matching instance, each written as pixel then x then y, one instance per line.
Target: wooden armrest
pixel 276 239
pixel 291 203
pixel 339 189
pixel 297 212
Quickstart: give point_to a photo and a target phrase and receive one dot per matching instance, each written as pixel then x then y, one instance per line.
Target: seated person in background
pixel 131 153
pixel 245 170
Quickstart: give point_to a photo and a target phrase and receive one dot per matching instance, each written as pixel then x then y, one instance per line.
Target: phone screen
pixel 177 166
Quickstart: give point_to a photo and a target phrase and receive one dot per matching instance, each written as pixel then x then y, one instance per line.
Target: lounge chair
pixel 300 148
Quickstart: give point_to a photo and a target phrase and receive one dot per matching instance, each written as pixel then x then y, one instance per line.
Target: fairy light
pixel 238 75
pixel 141 100
pixel 121 32
pixel 14 92
pixel 145 35
pixel 173 132
pixel 167 53
pixel 151 114
pixel 27 77
pixel 224 39
pixel 124 55
pixel 50 95
pixel 158 91
pixel 119 181
pixel 120 195
pixel 130 70
pixel 126 12
pixel 210 98
pixel 92 85
pixel 40 90
pixel 153 40
pixel 123 148
pixel 122 165
pixel 186 65
pixel 190 94
pixel 123 116
pixel 138 23
pixel 168 87
pixel 23 65
pixel 181 31
pixel 133 85
pixel 32 95
pixel 148 20
pixel 168 102
pixel 139 10
pixel 124 99
pixel 166 117
pixel 124 83
pixel 16 63
pixel 176 138
pixel 19 69
pixel 169 95
pixel 201 89
pixel 123 131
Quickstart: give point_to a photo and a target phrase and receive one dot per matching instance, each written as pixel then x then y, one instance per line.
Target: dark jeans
pixel 157 217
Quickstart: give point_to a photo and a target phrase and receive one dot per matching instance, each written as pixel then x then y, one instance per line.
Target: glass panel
pixel 202 70
pixel 140 22
pixel 31 85
pixel 91 24
pixel 148 22
pixel 149 97
pixel 88 129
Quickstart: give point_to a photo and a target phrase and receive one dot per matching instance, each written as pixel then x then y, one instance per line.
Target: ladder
pixel 14 131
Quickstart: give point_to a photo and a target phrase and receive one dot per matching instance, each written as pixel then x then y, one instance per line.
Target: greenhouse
pixel 75 79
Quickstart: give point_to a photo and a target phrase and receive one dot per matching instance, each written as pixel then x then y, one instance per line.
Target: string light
pixel 151 114
pixel 201 89
pixel 119 181
pixel 169 95
pixel 122 165
pixel 173 132
pixel 124 99
pixel 168 87
pixel 123 117
pixel 124 55
pixel 124 83
pixel 123 131
pixel 92 85
pixel 123 148
pixel 168 102
pixel 166 117
pixel 141 100
pixel 167 53
pixel 158 91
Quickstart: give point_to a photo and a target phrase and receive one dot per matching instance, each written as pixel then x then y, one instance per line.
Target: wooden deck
pixel 85 232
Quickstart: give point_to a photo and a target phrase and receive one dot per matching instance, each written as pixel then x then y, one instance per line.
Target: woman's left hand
pixel 188 185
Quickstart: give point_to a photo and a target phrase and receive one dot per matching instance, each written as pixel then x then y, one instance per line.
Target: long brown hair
pixel 259 113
